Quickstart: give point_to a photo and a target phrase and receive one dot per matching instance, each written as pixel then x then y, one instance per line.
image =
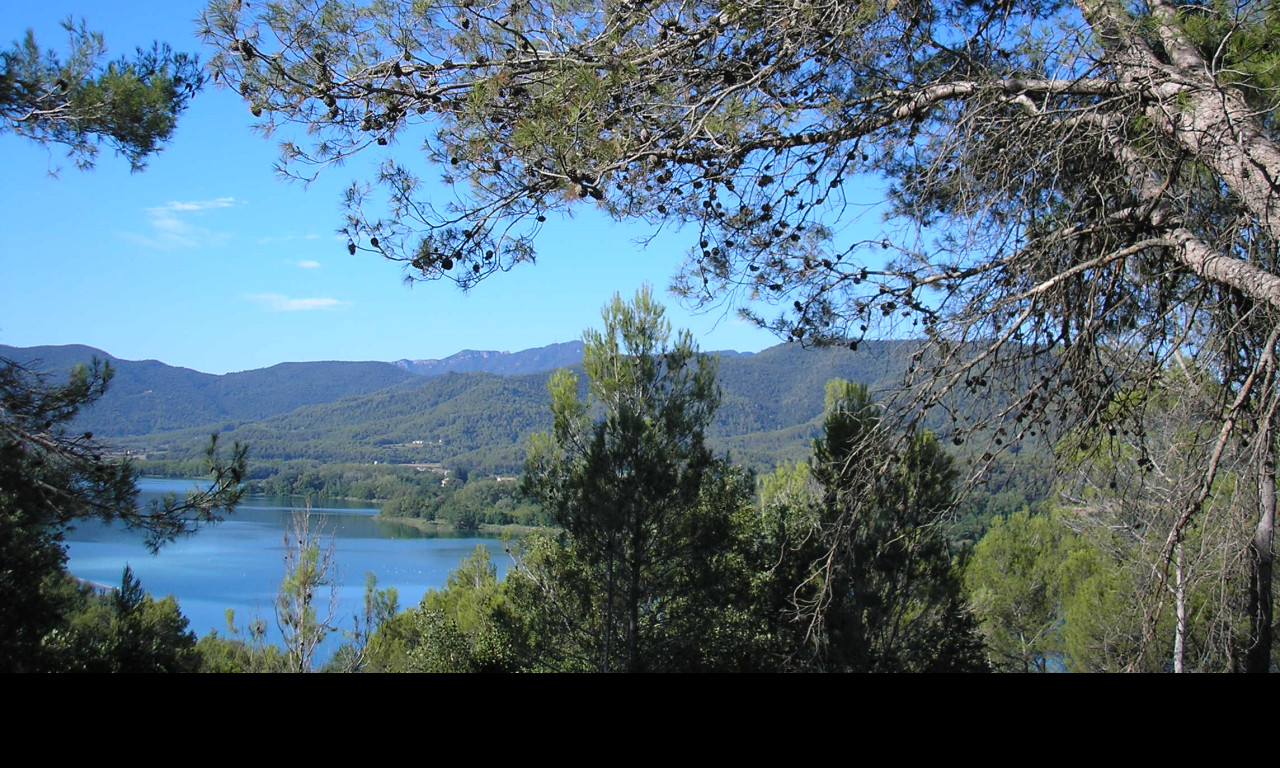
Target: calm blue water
pixel 238 563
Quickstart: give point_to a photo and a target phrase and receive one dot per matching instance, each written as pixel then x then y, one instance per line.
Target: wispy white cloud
pixel 171 231
pixel 275 302
pixel 285 238
pixel 191 205
pixel 308 264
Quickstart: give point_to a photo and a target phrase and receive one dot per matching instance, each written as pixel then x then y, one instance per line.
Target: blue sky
pixel 207 260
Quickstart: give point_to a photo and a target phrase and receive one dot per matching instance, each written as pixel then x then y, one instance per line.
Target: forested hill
pixel 365 412
pixel 147 396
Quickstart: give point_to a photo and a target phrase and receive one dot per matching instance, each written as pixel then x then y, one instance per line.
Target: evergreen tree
pixel 51 477
pixel 468 626
pixel 304 616
pixel 863 551
pixel 121 630
pixel 644 577
pixel 1020 578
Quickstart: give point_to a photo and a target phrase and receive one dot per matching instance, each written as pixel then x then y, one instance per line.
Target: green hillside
pixel 147 396
pixel 771 408
pixel 361 413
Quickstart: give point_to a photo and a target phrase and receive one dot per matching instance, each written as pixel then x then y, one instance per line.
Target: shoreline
pixel 513 530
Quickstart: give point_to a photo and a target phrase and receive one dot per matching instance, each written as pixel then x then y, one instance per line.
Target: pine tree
pixel 643 578
pixel 81 102
pixel 50 477
pixel 865 553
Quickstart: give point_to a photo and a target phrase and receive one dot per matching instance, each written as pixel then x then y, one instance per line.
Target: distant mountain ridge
pixel 451 411
pixel 148 396
pixel 536 360
pixel 302 414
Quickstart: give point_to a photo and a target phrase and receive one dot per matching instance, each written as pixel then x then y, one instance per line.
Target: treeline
pixel 667 558
pixel 469 495
pixel 456 496
pixel 1046 588
pixel 468 506
pixel 358 482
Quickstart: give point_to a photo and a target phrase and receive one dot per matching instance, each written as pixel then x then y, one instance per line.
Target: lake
pixel 238 563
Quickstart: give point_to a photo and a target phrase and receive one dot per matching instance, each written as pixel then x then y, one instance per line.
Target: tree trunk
pixel 1260 557
pixel 1188 104
pixel 1180 600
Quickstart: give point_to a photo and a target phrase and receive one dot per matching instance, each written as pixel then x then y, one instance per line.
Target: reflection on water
pixel 238 563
